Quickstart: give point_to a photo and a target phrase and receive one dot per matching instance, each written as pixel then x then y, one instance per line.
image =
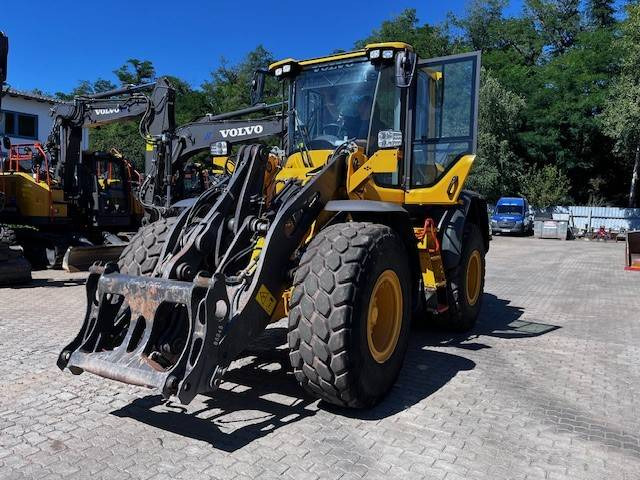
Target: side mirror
pixel 405 68
pixel 257 86
pixel 6 143
pixel 4 53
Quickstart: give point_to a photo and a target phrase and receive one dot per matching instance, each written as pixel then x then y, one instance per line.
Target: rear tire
pixel 141 255
pixel 350 314
pixel 465 283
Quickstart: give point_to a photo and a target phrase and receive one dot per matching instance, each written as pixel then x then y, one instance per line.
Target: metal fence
pixel 588 218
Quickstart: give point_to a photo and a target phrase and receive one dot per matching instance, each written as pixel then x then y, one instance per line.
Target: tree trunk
pixel 634 179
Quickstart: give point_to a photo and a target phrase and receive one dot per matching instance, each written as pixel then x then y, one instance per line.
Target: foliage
pixel 546 187
pixel 621 116
pixel 498 169
pixel 135 71
pixel 559 97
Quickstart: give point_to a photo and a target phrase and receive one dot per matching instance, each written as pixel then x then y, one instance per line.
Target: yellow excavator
pixel 355 226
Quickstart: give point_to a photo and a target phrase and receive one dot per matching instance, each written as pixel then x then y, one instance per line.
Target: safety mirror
pixel 405 68
pixel 257 86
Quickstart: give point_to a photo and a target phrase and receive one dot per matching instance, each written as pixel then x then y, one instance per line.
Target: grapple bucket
pixel 151 332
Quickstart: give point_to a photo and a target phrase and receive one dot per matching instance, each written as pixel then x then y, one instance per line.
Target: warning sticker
pixel 265 299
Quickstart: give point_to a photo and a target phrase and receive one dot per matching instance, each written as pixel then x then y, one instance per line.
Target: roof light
pixel 286 68
pixel 278 71
pixel 387 54
pixel 374 54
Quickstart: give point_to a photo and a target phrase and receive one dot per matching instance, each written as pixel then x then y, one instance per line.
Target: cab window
pixel 386 115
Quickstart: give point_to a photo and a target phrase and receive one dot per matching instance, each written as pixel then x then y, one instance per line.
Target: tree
pixel 135 71
pixel 229 87
pixel 546 187
pixel 558 22
pixel 497 169
pixel 601 13
pixel 621 117
pixel 428 41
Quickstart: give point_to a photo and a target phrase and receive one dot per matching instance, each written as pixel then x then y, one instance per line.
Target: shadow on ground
pixel 261 395
pixel 45 282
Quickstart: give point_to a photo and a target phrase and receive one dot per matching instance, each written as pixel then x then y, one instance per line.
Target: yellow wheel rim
pixel 474 277
pixel 384 317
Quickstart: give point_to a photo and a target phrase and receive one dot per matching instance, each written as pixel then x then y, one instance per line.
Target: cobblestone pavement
pixel 546 386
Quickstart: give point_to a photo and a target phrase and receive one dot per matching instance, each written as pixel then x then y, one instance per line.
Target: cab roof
pixel 342 56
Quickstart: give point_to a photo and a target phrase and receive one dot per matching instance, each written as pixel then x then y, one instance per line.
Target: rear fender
pixel 473 209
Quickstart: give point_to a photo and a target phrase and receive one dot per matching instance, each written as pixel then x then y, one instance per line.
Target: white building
pixel 26 117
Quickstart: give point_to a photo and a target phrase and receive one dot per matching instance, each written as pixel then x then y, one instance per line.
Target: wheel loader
pixel 358 226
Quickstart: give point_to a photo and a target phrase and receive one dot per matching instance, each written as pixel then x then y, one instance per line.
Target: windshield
pixel 510 209
pixel 332 103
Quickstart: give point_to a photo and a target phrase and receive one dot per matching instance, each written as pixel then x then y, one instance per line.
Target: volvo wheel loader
pixel 358 227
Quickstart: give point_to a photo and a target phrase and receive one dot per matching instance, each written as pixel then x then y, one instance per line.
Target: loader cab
pixel 416 117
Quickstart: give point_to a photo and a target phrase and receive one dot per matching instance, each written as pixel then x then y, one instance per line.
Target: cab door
pixel 444 125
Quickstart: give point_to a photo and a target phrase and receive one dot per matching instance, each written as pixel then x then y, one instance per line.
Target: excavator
pixel 353 228
pixel 83 203
pixel 14 268
pixel 70 197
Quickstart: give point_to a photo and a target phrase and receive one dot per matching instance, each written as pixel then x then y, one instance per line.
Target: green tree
pixel 564 98
pixel 229 87
pixel 497 169
pixel 428 41
pixel 546 187
pixel 135 71
pixel 601 13
pixel 558 22
pixel 621 117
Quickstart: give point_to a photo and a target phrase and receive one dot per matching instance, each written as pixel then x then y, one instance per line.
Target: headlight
pixel 518 222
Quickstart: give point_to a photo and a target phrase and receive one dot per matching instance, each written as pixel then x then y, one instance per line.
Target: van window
pixel 510 209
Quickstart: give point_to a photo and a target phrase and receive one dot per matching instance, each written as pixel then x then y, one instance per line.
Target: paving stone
pixel 546 386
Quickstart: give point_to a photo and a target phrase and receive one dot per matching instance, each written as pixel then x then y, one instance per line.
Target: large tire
pixel 329 339
pixel 141 256
pixel 465 297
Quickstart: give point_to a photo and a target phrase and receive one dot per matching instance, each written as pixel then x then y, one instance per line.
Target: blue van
pixel 512 215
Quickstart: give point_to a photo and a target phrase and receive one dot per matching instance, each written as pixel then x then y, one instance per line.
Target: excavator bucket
pixel 633 251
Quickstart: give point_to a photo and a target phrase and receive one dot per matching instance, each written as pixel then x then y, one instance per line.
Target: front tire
pixel 350 314
pixel 141 255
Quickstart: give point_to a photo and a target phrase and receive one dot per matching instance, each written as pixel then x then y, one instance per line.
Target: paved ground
pixel 547 386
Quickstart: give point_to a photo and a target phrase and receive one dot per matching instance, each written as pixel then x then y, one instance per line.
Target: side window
pixel 386 115
pixel 445 116
pixel 20 125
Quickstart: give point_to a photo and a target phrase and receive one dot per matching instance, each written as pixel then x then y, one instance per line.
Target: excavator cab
pixel 356 227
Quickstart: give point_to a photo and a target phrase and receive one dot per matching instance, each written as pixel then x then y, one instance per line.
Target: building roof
pixel 32 96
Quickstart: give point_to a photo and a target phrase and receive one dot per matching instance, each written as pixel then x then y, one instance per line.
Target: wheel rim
pixel 384 317
pixel 474 277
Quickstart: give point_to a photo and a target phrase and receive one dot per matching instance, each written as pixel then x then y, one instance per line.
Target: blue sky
pixel 55 44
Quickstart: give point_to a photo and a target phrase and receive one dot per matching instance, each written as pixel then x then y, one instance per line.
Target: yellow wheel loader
pixel 355 227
